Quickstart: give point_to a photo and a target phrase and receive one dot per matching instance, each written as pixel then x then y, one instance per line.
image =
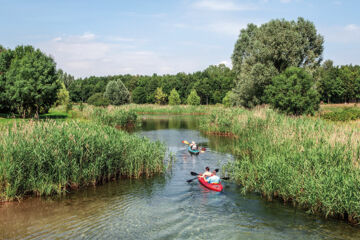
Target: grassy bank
pixel 309 162
pixel 168 109
pixel 46 157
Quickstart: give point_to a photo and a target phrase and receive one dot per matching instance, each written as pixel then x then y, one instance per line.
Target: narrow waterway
pixel 167 207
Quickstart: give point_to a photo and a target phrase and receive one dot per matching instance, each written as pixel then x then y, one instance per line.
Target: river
pixel 167 207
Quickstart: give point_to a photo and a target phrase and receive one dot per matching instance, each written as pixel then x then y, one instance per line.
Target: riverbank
pixel 50 157
pixel 310 162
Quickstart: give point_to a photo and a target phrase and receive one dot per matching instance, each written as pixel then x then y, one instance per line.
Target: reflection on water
pixel 167 207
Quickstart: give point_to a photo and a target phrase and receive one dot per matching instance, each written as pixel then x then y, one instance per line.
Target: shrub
pixel 193 98
pixel 160 96
pixel 228 100
pixel 98 100
pixel 293 92
pixel 174 98
pixel 114 117
pixel 343 115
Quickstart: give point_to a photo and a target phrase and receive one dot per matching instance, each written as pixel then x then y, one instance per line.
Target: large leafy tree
pixel 263 52
pixel 329 84
pixel 293 92
pixel 31 81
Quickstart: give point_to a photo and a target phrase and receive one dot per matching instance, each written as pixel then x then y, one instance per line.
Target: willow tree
pixel 263 52
pixel 117 93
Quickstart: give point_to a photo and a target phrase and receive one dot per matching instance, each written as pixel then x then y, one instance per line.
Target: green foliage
pixel 115 117
pixel 306 161
pixel 263 52
pixel 160 96
pixel 345 114
pixel 28 80
pixel 293 92
pixel 117 93
pixel 98 100
pixel 193 98
pixel 50 157
pixel 229 99
pixel 211 85
pixel 139 95
pixel 174 98
pixel 63 97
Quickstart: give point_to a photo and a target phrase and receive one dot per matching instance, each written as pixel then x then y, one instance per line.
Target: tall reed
pixel 310 162
pixel 46 157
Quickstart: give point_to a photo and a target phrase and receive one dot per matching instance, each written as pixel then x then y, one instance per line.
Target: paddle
pixel 201 149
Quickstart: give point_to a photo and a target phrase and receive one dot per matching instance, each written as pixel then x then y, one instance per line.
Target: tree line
pixel 211 85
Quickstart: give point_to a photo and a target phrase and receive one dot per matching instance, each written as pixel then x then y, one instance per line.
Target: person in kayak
pixel 193 145
pixel 213 178
pixel 207 173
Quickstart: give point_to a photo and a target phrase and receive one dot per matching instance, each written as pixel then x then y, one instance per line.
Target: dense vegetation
pixel 51 157
pixel 312 163
pixel 28 81
pixel 211 85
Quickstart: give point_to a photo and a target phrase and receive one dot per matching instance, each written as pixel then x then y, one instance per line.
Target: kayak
pixel 196 151
pixel 212 186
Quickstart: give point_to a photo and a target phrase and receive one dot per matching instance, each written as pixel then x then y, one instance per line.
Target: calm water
pixel 167 207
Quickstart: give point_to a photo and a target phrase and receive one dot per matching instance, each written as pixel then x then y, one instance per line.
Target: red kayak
pixel 212 186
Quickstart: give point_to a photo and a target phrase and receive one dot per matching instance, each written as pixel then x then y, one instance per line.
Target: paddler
pixel 213 178
pixel 207 173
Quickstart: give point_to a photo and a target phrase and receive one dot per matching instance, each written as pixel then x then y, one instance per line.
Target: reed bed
pixel 310 162
pixel 115 117
pixel 49 157
pixel 169 109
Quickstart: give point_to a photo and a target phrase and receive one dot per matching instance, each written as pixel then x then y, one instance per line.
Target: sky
pixel 111 37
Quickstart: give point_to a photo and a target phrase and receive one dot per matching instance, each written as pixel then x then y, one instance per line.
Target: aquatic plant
pixel 309 162
pixel 46 157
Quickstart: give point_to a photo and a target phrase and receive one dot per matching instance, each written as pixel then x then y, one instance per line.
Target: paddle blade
pixel 225 178
pixel 203 149
pixel 186 142
pixel 190 180
pixel 194 173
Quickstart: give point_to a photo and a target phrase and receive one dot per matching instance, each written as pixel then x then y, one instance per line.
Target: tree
pixel 263 52
pixel 98 100
pixel 63 97
pixel 139 95
pixel 293 92
pixel 193 98
pixel 160 97
pixel 228 100
pixel 174 98
pixel 329 84
pixel 117 93
pixel 31 82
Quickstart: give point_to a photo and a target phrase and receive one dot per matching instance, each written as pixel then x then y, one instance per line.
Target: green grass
pixel 47 157
pixel 309 162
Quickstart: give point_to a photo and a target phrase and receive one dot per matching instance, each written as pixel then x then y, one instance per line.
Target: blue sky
pixel 143 37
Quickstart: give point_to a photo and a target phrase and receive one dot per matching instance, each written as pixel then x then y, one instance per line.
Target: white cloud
pixel 226 63
pixel 88 54
pixel 222 5
pixel 352 27
pixel 228 28
pixel 341 34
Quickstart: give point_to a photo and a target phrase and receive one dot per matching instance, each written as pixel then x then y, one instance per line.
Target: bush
pixel 98 100
pixel 343 115
pixel 293 92
pixel 114 118
pixel 193 98
pixel 174 98
pixel 229 99
pixel 160 96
